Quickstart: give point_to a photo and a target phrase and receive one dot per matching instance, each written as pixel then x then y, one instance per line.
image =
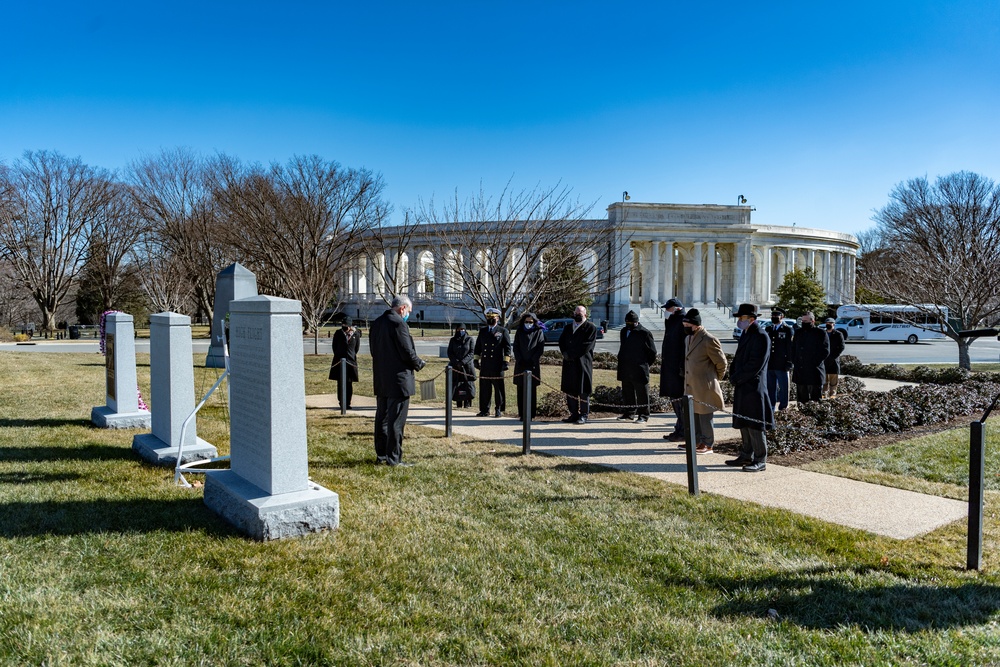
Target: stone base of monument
pixel 267 517
pixel 104 417
pixel 160 453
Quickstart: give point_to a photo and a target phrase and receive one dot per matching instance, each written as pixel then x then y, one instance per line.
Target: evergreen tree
pixel 562 289
pixel 801 292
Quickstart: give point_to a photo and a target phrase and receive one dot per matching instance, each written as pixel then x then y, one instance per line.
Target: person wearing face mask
pixel 779 362
pixel 752 412
pixel 832 363
pixel 635 353
pixel 672 363
pixel 346 343
pixel 810 348
pixel 492 358
pixel 394 360
pixel 704 367
pixel 460 356
pixel 576 342
pixel 529 344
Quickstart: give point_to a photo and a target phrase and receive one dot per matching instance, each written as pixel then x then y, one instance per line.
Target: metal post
pixel 977 465
pixel 528 381
pixel 343 386
pixel 692 455
pixel 448 383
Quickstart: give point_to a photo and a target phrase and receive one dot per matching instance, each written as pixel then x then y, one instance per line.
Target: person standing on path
pixel 635 353
pixel 780 361
pixel 460 357
pixel 492 358
pixel 832 363
pixel 704 367
pixel 529 344
pixel 752 412
pixel 346 343
pixel 672 364
pixel 576 342
pixel 810 348
pixel 394 360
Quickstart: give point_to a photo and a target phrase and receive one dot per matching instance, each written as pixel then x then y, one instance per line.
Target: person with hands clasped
pixel 529 343
pixel 752 412
pixel 576 342
pixel 492 358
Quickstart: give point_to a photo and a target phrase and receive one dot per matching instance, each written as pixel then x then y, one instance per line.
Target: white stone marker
pixel 122 409
pixel 171 394
pixel 267 493
pixel 233 282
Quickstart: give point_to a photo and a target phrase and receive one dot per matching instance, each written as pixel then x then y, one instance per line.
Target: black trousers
pixel 634 393
pixel 753 446
pixel 520 400
pixel 808 392
pixel 340 393
pixel 390 418
pixel 486 387
pixel 578 407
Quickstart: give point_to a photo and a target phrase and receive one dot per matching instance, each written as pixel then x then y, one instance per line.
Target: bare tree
pixel 113 236
pixel 16 304
pixel 297 226
pixel 162 276
pixel 385 246
pixel 48 204
pixel 939 245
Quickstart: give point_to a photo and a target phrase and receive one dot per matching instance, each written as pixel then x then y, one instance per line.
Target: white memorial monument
pixel 171 394
pixel 267 493
pixel 122 408
pixel 233 282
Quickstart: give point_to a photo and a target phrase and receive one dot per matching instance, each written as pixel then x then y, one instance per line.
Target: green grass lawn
pixel 474 556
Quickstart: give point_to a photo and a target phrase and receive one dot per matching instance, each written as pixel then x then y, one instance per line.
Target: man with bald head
pixel 577 346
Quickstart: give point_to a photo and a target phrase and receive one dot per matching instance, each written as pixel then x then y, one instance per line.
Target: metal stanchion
pixel 692 455
pixel 977 465
pixel 343 386
pixel 447 400
pixel 527 381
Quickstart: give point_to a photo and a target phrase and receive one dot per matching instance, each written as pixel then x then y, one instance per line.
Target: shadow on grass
pixel 77 517
pixel 823 600
pixel 75 453
pixel 43 423
pixel 37 477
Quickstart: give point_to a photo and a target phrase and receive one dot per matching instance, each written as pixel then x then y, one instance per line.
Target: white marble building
pixel 702 254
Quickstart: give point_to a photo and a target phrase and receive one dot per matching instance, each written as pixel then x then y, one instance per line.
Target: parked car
pixel 554 329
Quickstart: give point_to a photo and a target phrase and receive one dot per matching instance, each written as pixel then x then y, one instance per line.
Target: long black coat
pixel 635 353
pixel 810 348
pixel 748 375
pixel 345 348
pixel 672 356
pixel 394 358
pixel 460 353
pixel 578 358
pixel 528 348
pixel 837 347
pixel 493 350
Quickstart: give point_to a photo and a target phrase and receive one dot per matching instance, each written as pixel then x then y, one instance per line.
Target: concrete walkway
pixel 640 448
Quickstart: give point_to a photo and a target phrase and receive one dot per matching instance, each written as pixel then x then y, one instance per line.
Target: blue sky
pixel 813 111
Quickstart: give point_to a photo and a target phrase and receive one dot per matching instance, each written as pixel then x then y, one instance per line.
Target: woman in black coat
pixel 460 357
pixel 529 343
pixel 346 343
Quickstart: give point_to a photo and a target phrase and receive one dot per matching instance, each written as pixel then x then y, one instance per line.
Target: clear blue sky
pixel 811 110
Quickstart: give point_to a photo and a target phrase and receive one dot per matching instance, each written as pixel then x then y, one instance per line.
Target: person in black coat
pixel 635 353
pixel 460 357
pixel 346 343
pixel 529 343
pixel 576 342
pixel 837 347
pixel 752 412
pixel 810 348
pixel 394 359
pixel 780 363
pixel 672 363
pixel 492 358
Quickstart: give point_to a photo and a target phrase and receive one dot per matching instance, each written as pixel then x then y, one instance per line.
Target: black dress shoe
pixel 497 414
pixel 738 461
pixel 626 418
pixel 675 437
pixel 642 419
pixel 569 420
pixel 482 414
pixel 581 420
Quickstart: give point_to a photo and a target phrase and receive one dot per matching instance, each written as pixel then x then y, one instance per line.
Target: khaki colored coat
pixel 704 367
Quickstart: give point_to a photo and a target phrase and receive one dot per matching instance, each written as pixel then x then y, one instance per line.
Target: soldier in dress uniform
pixel 779 361
pixel 492 358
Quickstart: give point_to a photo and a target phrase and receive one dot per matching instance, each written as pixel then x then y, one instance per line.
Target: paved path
pixel 641 449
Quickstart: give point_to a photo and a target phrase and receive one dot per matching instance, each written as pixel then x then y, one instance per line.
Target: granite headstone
pixel 122 393
pixel 233 282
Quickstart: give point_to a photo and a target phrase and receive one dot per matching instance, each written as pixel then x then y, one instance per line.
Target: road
pixel 983 350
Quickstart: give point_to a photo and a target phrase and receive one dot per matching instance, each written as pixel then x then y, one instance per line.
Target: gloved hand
pixel 505 367
pixel 475 364
pixel 789 366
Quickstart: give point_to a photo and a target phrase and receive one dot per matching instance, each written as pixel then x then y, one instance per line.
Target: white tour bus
pixel 890 322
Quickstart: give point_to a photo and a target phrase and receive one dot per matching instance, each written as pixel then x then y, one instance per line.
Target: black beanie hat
pixel 693 317
pixel 630 316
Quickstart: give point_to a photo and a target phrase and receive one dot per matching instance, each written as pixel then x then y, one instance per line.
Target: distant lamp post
pixel 741 200
pixel 625 197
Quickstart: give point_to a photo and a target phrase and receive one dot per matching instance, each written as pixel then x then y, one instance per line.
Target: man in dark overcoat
pixel 672 363
pixel 529 344
pixel 346 342
pixel 810 348
pixel 780 363
pixel 752 412
pixel 394 360
pixel 832 363
pixel 577 346
pixel 492 358
pixel 463 375
pixel 635 353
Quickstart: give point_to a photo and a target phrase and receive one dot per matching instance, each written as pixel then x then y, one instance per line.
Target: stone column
pixel 765 284
pixel 654 283
pixel 171 394
pixel 852 267
pixel 413 273
pixel 267 493
pixel 698 271
pixel 811 260
pixel 741 293
pixel 710 275
pixel 635 273
pixel 121 409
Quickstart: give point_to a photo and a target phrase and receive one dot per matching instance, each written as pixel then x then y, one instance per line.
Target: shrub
pixel 21 338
